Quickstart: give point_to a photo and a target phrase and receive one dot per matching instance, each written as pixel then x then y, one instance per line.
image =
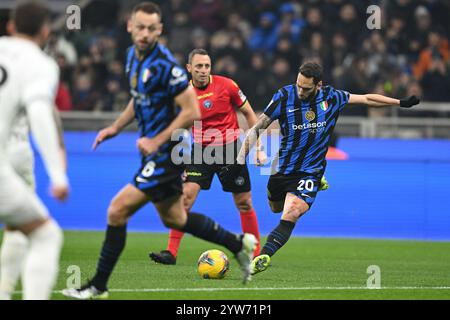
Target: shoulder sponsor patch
pixel 178 76
pixel 242 95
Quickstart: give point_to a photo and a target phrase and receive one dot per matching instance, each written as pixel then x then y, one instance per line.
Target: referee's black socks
pixel 278 237
pixel 207 229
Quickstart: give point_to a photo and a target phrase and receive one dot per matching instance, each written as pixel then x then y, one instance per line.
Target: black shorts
pixel 159 178
pixel 202 169
pixel 303 185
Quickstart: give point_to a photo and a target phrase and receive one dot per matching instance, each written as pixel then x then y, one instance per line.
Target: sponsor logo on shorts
pixel 239 181
pixel 141 180
pixel 194 174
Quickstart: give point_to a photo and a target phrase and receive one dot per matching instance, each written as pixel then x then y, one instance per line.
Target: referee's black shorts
pixel 209 160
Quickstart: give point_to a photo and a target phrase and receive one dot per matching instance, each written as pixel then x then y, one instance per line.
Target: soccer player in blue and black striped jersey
pixel 307 113
pixel 162 101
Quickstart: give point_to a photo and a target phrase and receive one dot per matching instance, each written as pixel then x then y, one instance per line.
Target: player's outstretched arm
pixel 125 118
pixel 188 103
pixel 378 100
pixel 228 172
pixel 252 136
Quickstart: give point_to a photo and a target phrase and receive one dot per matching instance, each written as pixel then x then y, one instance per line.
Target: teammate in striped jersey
pixel 307 113
pixel 217 133
pixel 162 101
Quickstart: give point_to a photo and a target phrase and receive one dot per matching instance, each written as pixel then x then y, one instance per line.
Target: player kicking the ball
pixel 307 113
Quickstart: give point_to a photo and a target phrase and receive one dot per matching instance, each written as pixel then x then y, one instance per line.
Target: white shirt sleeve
pixel 38 98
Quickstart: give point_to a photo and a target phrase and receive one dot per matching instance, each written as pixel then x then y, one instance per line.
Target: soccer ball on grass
pixel 213 264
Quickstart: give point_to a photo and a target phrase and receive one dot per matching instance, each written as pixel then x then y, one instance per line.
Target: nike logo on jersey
pixel 141 180
pixel 305 195
pixel 292 110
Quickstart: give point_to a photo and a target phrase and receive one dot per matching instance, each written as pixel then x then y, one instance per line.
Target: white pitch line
pixel 269 289
pixel 262 289
pixel 274 289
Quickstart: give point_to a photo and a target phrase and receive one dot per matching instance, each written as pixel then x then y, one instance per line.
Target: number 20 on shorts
pixel 307 185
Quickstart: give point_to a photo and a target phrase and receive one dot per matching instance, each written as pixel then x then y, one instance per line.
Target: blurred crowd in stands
pixel 261 44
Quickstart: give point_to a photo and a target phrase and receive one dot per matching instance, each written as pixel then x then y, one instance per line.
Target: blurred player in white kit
pixel 28 82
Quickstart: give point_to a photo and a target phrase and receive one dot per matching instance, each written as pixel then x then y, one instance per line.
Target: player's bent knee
pixel 187 203
pixel 48 235
pixel 173 223
pixel 300 207
pixel 296 209
pixel 243 201
pixel 190 190
pixel 187 209
pixel 56 233
pixel 117 214
pixel 244 206
pixel 276 207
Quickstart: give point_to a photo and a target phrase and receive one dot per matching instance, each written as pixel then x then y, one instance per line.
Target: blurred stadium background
pixel 394 180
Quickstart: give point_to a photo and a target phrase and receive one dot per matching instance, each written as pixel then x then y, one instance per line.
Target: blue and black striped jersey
pixel 154 83
pixel 306 127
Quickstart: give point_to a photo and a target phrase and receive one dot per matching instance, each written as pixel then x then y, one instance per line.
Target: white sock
pixel 42 262
pixel 12 256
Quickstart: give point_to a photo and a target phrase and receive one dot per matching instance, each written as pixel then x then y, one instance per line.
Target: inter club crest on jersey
pixel 207 104
pixel 310 115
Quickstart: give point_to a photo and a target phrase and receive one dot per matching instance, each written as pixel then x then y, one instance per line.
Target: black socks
pixel 278 237
pixel 112 248
pixel 207 229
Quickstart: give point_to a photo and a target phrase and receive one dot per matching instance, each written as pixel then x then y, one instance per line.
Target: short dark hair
pixel 312 70
pixel 199 51
pixel 29 17
pixel 147 7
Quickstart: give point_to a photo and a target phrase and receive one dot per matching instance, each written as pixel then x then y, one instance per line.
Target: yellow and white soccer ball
pixel 213 264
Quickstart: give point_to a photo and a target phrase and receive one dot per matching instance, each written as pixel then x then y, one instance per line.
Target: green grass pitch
pixel 306 268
